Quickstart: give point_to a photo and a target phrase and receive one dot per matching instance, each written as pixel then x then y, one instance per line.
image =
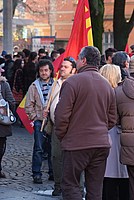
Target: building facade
pixel 54 19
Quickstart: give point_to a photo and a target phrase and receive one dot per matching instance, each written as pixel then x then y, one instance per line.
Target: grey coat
pixel 7 95
pixel 114 169
pixel 35 104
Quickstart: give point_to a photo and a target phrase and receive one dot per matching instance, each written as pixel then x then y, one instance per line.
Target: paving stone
pixel 17 166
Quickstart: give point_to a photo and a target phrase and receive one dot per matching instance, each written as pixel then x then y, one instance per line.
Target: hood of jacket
pixel 128 87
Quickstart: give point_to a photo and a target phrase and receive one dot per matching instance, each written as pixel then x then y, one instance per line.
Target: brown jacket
pixel 125 105
pixel 86 111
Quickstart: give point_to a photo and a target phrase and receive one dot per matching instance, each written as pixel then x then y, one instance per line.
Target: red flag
pixel 81 34
pixel 127 48
pixel 23 116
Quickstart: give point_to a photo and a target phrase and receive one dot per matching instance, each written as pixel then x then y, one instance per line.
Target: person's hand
pixel 45 113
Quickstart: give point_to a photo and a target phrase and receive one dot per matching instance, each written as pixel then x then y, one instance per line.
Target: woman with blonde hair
pixel 115 185
pixel 112 74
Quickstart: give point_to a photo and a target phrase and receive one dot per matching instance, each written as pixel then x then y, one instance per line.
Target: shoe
pixel 56 192
pixel 2 175
pixel 37 180
pixel 51 178
pixel 45 156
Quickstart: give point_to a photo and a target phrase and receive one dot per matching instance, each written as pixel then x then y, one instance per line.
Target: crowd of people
pixel 89 125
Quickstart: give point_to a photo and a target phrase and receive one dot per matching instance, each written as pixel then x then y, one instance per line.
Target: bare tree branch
pixel 15 3
pixel 34 11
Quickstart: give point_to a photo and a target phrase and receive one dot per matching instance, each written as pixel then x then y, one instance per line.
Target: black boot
pixel 56 192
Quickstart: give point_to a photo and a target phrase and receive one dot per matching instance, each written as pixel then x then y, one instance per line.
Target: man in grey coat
pixel 85 112
pixel 35 104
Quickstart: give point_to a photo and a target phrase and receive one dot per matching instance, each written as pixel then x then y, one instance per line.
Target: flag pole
pixel 49 101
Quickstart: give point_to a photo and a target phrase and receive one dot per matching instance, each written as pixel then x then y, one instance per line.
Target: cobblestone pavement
pixel 17 167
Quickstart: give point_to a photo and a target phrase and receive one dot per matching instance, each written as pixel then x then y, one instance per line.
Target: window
pixel 107 40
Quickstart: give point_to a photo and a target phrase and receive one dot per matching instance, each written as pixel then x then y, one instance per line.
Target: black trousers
pixel 130 170
pixel 2 149
pixel 115 189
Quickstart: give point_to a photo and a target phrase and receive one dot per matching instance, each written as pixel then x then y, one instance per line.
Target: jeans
pixel 38 149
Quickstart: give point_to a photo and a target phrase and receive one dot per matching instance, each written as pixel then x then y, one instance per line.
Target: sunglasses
pixel 71 59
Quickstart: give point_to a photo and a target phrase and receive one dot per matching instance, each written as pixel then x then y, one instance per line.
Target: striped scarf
pixel 45 87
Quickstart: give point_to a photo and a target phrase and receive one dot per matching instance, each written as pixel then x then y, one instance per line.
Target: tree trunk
pixel 7 26
pixel 121 27
pixel 97 14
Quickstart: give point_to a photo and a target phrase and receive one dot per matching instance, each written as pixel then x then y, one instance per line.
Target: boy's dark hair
pixel 22 54
pixel 26 52
pixel 109 52
pixel 44 62
pixel 54 53
pixel 32 56
pixel 61 50
pixel 41 51
pixel 119 58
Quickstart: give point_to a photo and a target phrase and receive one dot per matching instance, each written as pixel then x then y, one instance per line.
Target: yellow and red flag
pixel 23 116
pixel 81 36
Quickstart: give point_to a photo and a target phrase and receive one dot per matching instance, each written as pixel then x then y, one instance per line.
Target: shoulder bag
pixel 6 115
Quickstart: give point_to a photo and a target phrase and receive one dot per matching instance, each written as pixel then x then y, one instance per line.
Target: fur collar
pixel 2 78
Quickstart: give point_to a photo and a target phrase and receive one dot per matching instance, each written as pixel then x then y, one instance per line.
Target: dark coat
pixel 9 71
pixel 86 110
pixel 7 95
pixel 125 105
pixel 29 75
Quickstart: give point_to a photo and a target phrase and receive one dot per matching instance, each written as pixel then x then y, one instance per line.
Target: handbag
pixel 18 95
pixel 6 115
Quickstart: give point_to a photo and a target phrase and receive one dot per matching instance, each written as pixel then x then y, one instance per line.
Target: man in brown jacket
pixel 85 112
